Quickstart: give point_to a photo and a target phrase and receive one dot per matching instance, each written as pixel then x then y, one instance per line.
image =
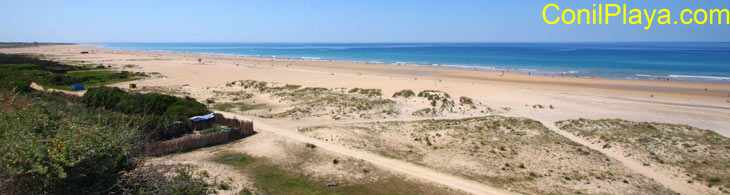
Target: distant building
pixel 203 122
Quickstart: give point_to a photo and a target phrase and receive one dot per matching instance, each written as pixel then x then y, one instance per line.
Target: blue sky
pixel 331 21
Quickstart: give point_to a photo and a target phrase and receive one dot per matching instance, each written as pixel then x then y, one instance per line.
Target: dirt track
pixel 398 166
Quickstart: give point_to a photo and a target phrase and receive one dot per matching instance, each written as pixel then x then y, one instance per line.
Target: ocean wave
pixel 685 77
pixel 651 75
pixel 532 65
pixel 700 77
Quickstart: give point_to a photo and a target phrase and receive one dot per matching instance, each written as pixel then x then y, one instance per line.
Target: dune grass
pixel 88 78
pixel 507 152
pixel 276 178
pixel 241 107
pixel 703 154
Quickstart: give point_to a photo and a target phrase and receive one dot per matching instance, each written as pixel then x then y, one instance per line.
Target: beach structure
pixel 230 130
pixel 84 52
pixel 203 122
pixel 132 85
pixel 77 87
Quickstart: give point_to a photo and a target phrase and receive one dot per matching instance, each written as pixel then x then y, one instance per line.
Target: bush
pixel 186 107
pixel 106 97
pixel 465 100
pixel 39 64
pixel 163 116
pixel 59 80
pixel 18 71
pixel 54 147
pixel 143 104
pixel 163 179
pixel 406 93
pixel 15 82
pixel 367 92
pixel 157 104
pixel 133 103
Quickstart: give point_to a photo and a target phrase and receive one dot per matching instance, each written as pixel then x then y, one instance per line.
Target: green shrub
pixel 163 116
pixel 107 97
pixel 59 80
pixel 164 179
pixel 131 104
pixel 157 104
pixel 144 104
pixel 367 92
pixel 466 100
pixel 15 82
pixel 406 93
pixel 186 107
pixel 54 147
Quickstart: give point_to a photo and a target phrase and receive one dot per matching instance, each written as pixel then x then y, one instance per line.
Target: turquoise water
pixel 700 62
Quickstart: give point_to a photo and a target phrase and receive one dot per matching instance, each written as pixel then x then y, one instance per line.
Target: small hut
pixel 202 122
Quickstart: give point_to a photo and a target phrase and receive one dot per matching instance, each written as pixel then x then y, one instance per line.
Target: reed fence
pixel 239 129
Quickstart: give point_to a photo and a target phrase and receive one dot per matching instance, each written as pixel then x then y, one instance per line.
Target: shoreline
pixel 660 85
pixel 525 71
pixel 657 101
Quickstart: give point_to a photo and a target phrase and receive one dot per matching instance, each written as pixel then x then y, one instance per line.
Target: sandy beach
pixel 701 105
pixel 660 101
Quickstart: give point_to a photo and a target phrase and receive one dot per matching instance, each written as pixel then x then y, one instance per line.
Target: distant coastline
pixel 687 62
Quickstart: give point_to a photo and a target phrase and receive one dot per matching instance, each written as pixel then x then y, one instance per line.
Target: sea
pixel 682 61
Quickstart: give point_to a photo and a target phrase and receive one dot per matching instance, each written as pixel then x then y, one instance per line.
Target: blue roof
pixel 202 118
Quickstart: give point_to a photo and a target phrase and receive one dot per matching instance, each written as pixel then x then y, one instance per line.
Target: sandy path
pixel 40 88
pixel 667 181
pixel 383 162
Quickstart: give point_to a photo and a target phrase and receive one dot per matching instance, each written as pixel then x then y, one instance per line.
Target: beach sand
pixel 687 103
pixel 703 105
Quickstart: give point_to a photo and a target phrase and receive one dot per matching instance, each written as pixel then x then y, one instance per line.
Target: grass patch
pixel 242 107
pixel 466 100
pixel 269 178
pixel 235 95
pixel 317 101
pixel 169 90
pixel 272 178
pixel 18 71
pixel 433 95
pixel 406 93
pixel 237 160
pixel 367 92
pixel 210 131
pixel 703 154
pixel 88 78
pixel 500 151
